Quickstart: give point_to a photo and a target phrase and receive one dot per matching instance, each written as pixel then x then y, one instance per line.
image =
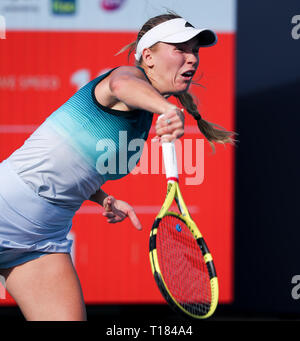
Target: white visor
pixel 174 31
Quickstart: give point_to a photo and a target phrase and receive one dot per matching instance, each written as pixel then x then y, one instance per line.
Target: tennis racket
pixel 181 263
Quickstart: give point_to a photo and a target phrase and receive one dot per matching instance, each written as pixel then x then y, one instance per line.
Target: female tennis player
pixel 44 182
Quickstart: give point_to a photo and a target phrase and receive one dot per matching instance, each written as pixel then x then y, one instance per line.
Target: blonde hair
pixel 211 131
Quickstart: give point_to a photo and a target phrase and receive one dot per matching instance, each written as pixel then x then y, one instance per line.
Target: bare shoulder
pixel 128 71
pixel 104 90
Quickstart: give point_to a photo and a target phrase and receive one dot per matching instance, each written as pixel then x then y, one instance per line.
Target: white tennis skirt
pixel 29 225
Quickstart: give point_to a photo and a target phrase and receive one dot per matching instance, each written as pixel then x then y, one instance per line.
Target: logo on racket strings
pixel 178 227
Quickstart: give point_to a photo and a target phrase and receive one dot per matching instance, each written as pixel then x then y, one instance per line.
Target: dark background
pixel 267 218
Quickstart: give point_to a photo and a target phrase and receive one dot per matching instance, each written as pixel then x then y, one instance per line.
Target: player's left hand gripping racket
pixel 181 263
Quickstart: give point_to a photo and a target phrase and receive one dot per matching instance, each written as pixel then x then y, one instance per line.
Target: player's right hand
pixel 171 126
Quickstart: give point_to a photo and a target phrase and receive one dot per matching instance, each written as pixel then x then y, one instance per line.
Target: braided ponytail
pixel 211 131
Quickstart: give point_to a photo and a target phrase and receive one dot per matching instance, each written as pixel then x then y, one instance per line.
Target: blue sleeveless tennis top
pixel 79 147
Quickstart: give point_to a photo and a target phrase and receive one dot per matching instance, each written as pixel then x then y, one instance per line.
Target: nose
pixel 192 58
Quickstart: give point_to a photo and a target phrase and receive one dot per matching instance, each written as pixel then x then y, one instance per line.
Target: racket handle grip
pixel 170 160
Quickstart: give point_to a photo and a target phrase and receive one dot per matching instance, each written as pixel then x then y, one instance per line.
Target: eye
pixel 179 48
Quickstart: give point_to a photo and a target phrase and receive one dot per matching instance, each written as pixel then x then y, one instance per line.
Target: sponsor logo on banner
pixel 63 7
pixel 111 5
pixel 30 82
pixel 20 6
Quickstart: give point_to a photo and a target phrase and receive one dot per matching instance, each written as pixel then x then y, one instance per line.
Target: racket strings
pixel 182 266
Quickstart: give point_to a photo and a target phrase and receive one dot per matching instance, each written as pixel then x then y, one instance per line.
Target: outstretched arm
pixel 130 86
pixel 127 88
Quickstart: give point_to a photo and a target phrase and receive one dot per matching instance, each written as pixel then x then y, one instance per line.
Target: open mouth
pixel 188 75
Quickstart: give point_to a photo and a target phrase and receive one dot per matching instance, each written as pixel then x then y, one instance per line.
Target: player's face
pixel 174 66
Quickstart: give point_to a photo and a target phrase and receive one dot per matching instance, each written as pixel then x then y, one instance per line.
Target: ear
pixel 148 58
